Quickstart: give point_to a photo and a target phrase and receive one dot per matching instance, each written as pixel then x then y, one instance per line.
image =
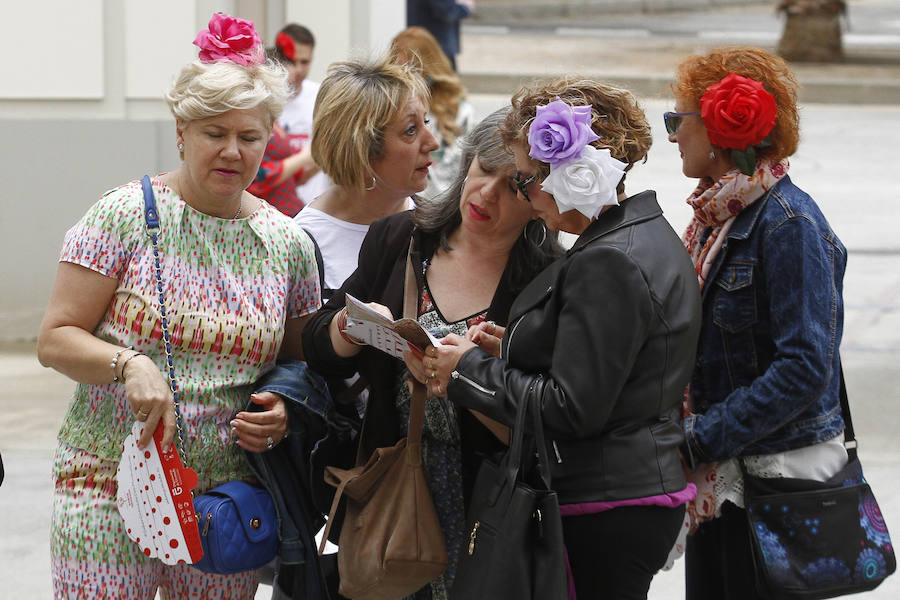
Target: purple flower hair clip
pixel 560 132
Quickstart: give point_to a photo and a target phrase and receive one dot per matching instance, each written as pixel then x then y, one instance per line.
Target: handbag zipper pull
pixel 472 538
pixel 206 524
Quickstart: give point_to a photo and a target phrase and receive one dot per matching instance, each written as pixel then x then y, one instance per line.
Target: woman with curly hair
pixel 765 388
pixel 605 336
pixel 450 114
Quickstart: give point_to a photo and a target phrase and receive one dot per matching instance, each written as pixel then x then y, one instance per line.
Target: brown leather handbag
pixel 391 543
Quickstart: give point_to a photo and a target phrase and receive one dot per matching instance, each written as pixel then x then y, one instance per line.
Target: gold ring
pixel 143 413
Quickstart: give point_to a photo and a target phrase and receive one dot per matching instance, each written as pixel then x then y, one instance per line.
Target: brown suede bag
pixel 391 543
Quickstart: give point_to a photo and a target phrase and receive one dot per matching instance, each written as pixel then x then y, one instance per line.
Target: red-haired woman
pixel 765 387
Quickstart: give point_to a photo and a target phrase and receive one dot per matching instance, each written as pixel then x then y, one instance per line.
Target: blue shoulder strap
pixel 150 215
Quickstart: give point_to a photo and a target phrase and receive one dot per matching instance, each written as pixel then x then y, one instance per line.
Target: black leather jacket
pixel 612 328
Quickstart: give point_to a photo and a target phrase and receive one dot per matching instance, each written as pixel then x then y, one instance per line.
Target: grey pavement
pixel 846 161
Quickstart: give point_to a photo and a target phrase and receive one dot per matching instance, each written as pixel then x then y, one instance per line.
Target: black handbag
pixel 515 544
pixel 239 525
pixel 814 539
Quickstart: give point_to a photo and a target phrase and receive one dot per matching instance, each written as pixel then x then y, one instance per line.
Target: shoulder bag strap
pixel 417 405
pixel 849 435
pixel 151 218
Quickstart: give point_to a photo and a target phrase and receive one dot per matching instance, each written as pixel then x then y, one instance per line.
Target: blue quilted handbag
pixel 238 528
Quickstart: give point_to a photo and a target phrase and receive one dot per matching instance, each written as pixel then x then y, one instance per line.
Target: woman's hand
pixel 487 335
pixel 441 360
pixel 150 399
pixel 260 431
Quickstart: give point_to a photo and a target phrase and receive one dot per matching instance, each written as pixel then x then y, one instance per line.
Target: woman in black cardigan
pixel 474 249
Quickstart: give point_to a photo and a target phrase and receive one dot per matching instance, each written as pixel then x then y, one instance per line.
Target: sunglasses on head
pixel 522 184
pixel 673 120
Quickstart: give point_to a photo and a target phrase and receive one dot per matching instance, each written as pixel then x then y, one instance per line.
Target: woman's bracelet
pixel 342 325
pixel 125 364
pixel 115 362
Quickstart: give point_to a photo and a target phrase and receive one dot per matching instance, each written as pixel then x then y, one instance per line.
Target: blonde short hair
pixel 356 101
pixel 204 90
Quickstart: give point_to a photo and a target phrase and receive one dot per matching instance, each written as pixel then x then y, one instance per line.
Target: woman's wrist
pixel 114 364
pixel 122 374
pixel 342 328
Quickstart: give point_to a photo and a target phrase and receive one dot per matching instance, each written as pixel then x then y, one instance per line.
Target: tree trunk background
pixel 811 38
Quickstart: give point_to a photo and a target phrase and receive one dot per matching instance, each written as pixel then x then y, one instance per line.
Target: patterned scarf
pixel 716 204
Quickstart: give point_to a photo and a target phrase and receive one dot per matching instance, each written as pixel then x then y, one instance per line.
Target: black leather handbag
pixel 515 545
pixel 815 539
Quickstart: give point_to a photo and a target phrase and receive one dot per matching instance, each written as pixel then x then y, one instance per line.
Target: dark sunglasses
pixel 522 184
pixel 673 120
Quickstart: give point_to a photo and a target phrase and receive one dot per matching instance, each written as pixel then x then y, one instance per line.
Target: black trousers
pixel 615 554
pixel 719 563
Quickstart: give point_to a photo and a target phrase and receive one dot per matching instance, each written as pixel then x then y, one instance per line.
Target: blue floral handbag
pixel 816 539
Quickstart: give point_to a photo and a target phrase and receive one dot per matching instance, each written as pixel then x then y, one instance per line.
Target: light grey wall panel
pixel 52 171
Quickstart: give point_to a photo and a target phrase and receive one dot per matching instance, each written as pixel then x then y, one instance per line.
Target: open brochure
pixel 393 337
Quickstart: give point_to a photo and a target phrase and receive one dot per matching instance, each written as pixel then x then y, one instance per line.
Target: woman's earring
pixel 181 146
pixel 369 188
pixel 712 155
pixel 543 227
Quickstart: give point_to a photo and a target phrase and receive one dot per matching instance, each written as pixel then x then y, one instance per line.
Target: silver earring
pixel 543 233
pixel 712 155
pixel 371 187
pixel 181 147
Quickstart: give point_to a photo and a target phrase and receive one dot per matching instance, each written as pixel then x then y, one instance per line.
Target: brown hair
pixel 696 73
pixel 356 101
pixel 616 117
pixel 417 44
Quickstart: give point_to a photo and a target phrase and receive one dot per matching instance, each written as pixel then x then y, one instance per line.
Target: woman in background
pixel 282 169
pixel 450 115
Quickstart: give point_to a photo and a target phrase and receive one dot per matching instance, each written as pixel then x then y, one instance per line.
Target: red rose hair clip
pixel 286 44
pixel 230 39
pixel 739 114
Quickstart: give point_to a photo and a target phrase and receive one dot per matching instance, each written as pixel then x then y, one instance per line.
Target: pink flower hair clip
pixel 230 39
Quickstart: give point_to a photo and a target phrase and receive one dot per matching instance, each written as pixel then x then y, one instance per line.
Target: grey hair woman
pixel 470 256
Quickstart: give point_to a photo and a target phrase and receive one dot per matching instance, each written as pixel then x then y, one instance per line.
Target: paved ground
pixel 846 160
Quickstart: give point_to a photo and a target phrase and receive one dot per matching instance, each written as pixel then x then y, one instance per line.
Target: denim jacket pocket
pixel 734 307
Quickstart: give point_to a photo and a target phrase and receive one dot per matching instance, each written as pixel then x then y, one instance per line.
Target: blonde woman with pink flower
pixel 765 389
pixel 239 281
pixel 605 335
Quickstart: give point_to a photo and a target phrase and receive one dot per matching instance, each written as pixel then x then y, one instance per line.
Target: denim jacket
pixel 767 376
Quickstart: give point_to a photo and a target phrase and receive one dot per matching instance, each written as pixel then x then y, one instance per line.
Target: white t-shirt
pixel 339 242
pixel 297 121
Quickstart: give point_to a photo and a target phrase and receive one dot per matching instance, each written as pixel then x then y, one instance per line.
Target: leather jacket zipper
pixel 457 375
pixel 509 337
